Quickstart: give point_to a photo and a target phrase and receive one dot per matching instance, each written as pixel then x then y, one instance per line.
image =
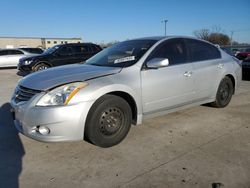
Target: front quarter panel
pixel 121 82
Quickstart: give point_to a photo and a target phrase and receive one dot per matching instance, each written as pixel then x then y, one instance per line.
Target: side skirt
pixel 165 111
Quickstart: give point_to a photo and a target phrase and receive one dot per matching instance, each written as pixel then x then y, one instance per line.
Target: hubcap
pixel 224 92
pixel 111 121
pixel 42 67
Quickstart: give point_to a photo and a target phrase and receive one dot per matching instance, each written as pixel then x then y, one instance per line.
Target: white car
pixel 10 57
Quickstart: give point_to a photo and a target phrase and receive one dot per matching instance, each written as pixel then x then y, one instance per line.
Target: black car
pixel 246 68
pixel 58 55
pixel 32 50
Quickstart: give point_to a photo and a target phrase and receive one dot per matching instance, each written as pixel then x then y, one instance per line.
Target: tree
pixel 215 36
pixel 202 34
pixel 219 38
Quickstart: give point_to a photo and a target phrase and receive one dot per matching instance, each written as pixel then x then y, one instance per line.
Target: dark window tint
pixel 95 48
pixel 66 50
pixel 200 51
pixel 14 52
pixel 3 52
pixel 55 42
pixel 33 50
pixel 48 42
pixel 88 48
pixel 174 50
pixel 80 49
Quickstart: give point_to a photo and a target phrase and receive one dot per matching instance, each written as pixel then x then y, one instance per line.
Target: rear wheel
pixel 108 121
pixel 224 93
pixel 41 66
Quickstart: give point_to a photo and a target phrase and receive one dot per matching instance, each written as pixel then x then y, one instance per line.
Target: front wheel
pixel 224 93
pixel 109 121
pixel 40 66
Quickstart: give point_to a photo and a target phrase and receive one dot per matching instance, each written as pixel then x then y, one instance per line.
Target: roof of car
pixel 151 38
pixel 88 43
pixel 3 49
pixel 158 38
pixel 28 48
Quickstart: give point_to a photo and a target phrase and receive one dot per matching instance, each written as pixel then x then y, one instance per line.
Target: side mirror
pixel 156 63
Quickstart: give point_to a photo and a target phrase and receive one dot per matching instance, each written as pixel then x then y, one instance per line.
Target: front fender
pixel 101 87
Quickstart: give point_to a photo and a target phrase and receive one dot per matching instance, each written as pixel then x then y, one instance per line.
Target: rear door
pixel 207 67
pixel 3 58
pixel 95 49
pixel 168 87
pixel 13 57
pixel 86 51
pixel 82 52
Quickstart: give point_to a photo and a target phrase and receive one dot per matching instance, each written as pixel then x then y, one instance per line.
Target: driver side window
pixel 174 50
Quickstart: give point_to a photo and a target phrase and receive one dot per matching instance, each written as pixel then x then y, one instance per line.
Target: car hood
pixel 53 77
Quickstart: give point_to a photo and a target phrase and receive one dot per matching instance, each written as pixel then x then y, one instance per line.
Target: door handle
pixel 221 65
pixel 188 73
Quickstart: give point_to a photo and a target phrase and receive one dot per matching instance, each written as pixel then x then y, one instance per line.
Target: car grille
pixel 24 94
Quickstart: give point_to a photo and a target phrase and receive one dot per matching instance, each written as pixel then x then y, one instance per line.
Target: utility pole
pixel 165 22
pixel 232 32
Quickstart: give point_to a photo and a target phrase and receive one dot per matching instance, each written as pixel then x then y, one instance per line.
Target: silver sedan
pixel 10 57
pixel 122 85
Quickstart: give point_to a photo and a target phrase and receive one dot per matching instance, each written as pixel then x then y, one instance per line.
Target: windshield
pixel 123 54
pixel 51 50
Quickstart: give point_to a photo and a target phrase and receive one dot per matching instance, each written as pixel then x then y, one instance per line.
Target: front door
pixel 168 87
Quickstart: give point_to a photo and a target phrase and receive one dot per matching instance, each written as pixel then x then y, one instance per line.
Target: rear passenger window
pixel 89 49
pixel 201 51
pixel 95 48
pixel 80 49
pixel 174 50
pixel 15 52
pixel 4 52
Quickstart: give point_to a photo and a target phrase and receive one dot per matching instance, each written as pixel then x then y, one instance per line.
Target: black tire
pixel 108 122
pixel 224 93
pixel 40 66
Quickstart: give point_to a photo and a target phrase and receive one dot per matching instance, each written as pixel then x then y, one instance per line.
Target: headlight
pixel 27 62
pixel 61 95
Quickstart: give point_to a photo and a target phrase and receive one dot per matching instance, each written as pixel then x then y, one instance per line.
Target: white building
pixel 36 42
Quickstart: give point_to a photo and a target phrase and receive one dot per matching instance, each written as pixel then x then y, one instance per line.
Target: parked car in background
pixel 11 57
pixel 32 50
pixel 246 68
pixel 132 80
pixel 244 54
pixel 58 55
pixel 227 50
pixel 235 51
